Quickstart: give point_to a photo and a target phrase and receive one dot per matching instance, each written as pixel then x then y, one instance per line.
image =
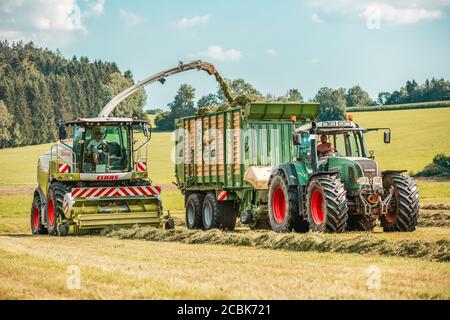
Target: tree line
pixel 40 88
pixel 333 102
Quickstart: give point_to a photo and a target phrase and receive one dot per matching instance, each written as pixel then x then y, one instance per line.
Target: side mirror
pixel 297 139
pixel 62 133
pixel 387 137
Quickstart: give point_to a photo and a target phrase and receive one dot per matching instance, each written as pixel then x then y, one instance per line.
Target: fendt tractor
pixel 263 163
pixel 97 174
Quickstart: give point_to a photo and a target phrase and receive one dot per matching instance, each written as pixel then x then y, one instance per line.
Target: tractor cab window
pixel 347 144
pixel 106 149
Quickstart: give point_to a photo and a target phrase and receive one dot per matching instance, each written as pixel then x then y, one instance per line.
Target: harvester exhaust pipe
pixel 313 136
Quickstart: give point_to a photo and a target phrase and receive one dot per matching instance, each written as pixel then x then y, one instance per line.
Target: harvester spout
pixel 161 76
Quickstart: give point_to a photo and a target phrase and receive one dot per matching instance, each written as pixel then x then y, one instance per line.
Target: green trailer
pixel 263 163
pixel 226 159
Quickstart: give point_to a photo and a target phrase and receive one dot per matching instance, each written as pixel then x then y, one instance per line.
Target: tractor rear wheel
pixel 36 226
pixel 327 204
pixel 194 211
pixel 403 210
pixel 55 210
pixel 284 207
pixel 361 223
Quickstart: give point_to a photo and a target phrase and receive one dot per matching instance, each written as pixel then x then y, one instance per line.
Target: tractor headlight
pixel 377 181
pixel 362 180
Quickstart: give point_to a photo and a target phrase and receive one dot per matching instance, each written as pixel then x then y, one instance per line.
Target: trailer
pixel 224 160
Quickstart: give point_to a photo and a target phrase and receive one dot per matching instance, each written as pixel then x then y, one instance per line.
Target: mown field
pixel 143 263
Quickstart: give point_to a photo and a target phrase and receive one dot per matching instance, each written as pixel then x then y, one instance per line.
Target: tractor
pixel 337 185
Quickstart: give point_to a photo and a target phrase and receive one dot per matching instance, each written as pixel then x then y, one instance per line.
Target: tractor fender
pixel 389 172
pixel 324 173
pixel 289 172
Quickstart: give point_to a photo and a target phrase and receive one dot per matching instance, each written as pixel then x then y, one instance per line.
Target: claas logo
pixel 107 178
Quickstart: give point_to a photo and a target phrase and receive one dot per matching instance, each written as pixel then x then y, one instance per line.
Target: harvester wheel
pixel 283 206
pixel 361 223
pixel 327 204
pixel 36 226
pixel 403 210
pixel 194 211
pixel 55 210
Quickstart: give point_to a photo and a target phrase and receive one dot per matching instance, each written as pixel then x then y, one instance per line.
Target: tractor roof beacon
pixel 263 163
pixel 97 175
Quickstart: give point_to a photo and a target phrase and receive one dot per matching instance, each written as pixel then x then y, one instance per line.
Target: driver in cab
pixel 93 149
pixel 324 149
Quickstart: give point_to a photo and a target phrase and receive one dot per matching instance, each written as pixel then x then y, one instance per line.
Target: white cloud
pixel 95 8
pixel 185 23
pixel 129 18
pixel 393 12
pixel 316 18
pixel 217 53
pixel 50 23
pixel 271 52
pixel 391 15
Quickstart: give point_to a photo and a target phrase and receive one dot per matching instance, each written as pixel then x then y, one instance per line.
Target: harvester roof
pixel 104 121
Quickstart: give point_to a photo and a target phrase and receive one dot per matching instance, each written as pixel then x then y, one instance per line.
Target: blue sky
pixel 275 45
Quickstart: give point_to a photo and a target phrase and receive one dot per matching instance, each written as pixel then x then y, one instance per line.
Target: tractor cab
pixel 102 145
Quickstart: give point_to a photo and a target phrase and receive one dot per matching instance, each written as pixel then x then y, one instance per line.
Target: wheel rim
pixel 208 214
pixel 35 218
pixel 278 205
pixel 316 207
pixel 191 214
pixel 51 212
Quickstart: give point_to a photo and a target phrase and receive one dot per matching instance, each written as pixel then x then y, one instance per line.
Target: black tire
pixel 403 211
pixel 229 215
pixel 262 224
pixel 55 212
pixel 62 230
pixel 284 206
pixel 194 205
pixel 36 226
pixel 361 223
pixel 212 213
pixel 327 204
pixel 169 225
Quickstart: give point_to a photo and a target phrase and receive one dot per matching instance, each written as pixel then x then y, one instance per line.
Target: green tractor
pixel 336 185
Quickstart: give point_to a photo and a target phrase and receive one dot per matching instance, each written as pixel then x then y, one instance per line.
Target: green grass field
pixel 117 268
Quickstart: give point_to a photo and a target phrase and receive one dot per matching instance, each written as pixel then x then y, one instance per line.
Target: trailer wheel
pixel 211 212
pixel 36 226
pixel 194 211
pixel 283 206
pixel 55 210
pixel 229 215
pixel 403 210
pixel 327 204
pixel 262 223
pixel 361 223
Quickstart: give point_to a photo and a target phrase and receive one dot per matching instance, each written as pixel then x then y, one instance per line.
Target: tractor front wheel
pixel 284 207
pixel 403 210
pixel 327 204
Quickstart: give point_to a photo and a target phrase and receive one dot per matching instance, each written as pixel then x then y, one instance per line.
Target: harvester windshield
pixel 106 148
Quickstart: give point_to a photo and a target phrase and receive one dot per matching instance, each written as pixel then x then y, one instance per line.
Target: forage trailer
pixel 260 162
